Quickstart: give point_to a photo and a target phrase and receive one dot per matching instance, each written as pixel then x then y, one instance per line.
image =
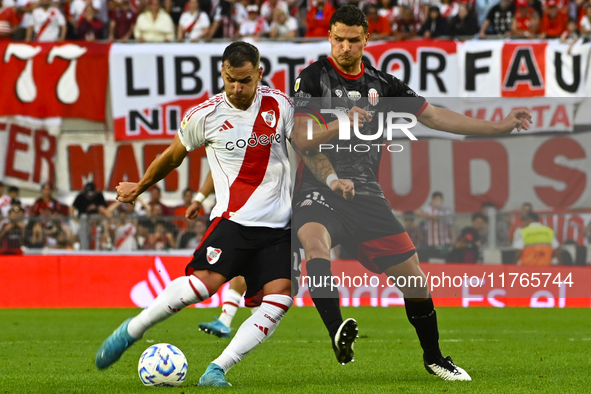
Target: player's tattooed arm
pixel 323 170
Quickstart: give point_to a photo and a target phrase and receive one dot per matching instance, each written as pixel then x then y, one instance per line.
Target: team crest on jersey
pixel 213 254
pixel 297 85
pixel 269 118
pixel 354 95
pixel 373 97
pixel 338 92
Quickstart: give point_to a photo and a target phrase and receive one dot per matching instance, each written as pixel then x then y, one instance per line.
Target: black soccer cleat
pixel 446 369
pixel 344 340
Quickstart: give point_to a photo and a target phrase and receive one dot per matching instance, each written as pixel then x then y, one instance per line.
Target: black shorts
pixel 364 226
pixel 260 254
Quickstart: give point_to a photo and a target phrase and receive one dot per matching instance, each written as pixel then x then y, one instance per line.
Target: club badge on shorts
pixel 213 254
pixel 269 118
pixel 373 97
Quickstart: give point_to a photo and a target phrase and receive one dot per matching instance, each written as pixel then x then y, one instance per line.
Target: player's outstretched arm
pixel 202 194
pixel 170 159
pixel 447 120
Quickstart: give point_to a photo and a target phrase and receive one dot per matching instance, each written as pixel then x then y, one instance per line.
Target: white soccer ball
pixel 162 365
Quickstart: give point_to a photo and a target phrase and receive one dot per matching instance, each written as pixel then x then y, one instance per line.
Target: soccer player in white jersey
pixel 244 131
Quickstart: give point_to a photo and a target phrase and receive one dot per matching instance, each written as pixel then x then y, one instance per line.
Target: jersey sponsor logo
pixel 354 95
pixel 338 92
pixel 374 98
pixel 296 87
pixel 226 126
pixel 254 140
pixel 213 254
pixel 269 118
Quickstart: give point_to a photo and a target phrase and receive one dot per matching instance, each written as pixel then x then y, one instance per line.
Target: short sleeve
pixel 407 99
pixel 60 19
pixel 192 130
pixel 288 117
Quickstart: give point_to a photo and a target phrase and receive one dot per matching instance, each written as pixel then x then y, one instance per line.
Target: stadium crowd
pixel 196 20
pixel 153 225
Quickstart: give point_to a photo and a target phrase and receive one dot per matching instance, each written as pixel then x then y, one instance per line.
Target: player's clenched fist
pixel 193 210
pixel 127 192
pixel 343 187
pixel 361 114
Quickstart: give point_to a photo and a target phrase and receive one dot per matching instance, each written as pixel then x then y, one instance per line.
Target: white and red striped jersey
pixel 46 23
pixel 438 232
pixel 247 154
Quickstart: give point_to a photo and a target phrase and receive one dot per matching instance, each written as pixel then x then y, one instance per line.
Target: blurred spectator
pixel 448 8
pixel 12 233
pixel 176 8
pixel 481 9
pixel 125 233
pixel 193 24
pixel 585 25
pixel 4 201
pixel 435 25
pixel 155 201
pixel 89 202
pixel 162 238
pixel 186 235
pixel 199 231
pixel 181 210
pixel 283 26
pixel 535 243
pixel 77 7
pixel 463 24
pixel 34 236
pixel 414 232
pixel 269 6
pixel 420 8
pixel 228 16
pixel 154 25
pixel 47 201
pixel 437 225
pixel 254 26
pixel 570 35
pixel 499 19
pixel 318 19
pixel 47 22
pixel 516 225
pixel 467 249
pixel 405 26
pixel 554 22
pixel 9 20
pixel 122 22
pixel 387 9
pixel 7 200
pixel 526 21
pixel 379 27
pixel 90 28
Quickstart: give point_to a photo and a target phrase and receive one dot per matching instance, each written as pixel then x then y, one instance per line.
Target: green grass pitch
pixel 504 350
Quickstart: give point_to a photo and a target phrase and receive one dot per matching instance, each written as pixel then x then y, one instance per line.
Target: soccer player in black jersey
pixel 364 224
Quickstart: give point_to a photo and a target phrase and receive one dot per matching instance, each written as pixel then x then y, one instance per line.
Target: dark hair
pixel 240 52
pixel 187 190
pixel 527 204
pixel 13 189
pixel 436 194
pixel 530 216
pixel 478 215
pixel 351 16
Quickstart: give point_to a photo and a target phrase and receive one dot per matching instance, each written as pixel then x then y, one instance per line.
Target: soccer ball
pixel 162 365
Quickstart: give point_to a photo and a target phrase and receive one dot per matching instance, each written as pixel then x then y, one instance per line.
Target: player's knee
pixel 278 286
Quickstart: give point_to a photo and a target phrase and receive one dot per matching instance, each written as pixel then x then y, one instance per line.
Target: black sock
pixel 423 317
pixel 326 300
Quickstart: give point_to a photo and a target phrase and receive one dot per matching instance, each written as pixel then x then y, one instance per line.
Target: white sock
pixel 179 293
pixel 231 303
pixel 255 330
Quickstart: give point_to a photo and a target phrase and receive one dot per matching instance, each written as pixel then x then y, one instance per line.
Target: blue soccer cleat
pixel 216 328
pixel 114 346
pixel 214 376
